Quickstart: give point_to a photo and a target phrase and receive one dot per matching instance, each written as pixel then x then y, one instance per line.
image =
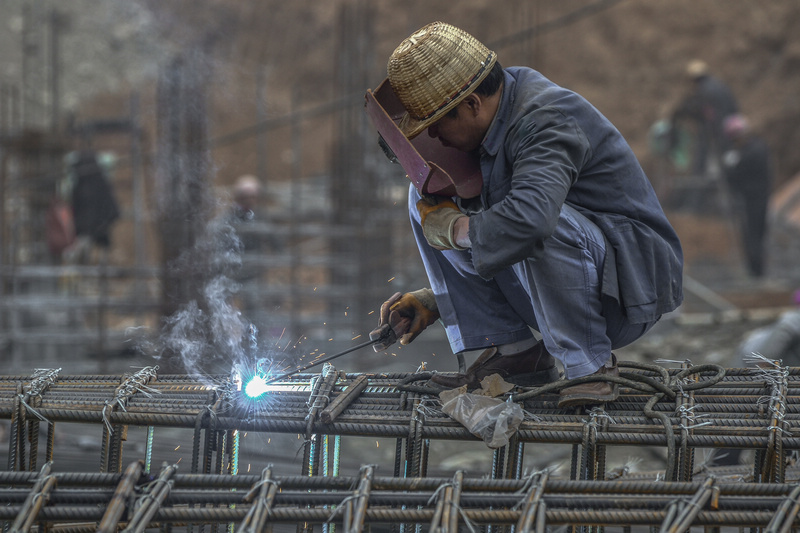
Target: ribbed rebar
pixel 676 409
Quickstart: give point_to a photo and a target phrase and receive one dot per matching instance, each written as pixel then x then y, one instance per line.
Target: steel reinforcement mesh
pixel 218 480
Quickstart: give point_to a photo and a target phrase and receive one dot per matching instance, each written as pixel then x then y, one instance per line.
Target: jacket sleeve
pixel 544 153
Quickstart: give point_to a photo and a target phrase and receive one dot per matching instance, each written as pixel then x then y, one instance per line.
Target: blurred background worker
pixel 707 104
pixel 248 219
pixel 94 207
pixel 748 173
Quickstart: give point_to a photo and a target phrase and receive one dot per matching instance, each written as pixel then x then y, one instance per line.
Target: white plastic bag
pixel 491 419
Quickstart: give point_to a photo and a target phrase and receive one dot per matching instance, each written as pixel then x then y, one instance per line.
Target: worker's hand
pixel 407 315
pixel 438 217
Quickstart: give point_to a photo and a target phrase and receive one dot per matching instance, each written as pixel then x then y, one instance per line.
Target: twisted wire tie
pixel 598 412
pixel 149 491
pixel 338 509
pixel 462 514
pixel 41 378
pixel 782 430
pixel 529 482
pixel 690 426
pixel 31 409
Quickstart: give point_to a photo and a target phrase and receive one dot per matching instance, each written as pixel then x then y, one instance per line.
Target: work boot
pixel 534 366
pixel 593 391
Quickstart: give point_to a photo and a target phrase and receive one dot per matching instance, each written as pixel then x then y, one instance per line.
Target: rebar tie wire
pixel 154 494
pixel 132 384
pixel 319 397
pixel 257 515
pixel 123 491
pixel 39 495
pixel 42 379
pixel 534 505
pixel 783 520
pixel 777 377
pixel 448 507
pixel 353 521
pixel 681 513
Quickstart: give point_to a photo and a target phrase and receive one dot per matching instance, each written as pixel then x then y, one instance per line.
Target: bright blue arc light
pixel 256 387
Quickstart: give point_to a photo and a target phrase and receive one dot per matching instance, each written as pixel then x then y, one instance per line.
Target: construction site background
pixel 181 98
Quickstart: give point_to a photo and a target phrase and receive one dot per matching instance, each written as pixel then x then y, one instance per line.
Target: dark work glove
pixel 407 315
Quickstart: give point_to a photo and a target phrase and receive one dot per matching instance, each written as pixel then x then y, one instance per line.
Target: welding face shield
pixel 432 167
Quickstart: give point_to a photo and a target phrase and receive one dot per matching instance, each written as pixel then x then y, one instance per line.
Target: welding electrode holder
pixel 383 337
pixel 384 334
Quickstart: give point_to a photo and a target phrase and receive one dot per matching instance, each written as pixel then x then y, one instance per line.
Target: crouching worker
pixel 563 235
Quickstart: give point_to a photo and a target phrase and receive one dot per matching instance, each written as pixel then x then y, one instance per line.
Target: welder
pixel 562 234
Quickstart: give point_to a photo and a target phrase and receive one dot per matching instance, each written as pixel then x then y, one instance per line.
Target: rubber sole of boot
pixel 574 400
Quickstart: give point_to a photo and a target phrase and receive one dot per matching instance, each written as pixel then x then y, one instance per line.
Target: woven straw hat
pixel 433 70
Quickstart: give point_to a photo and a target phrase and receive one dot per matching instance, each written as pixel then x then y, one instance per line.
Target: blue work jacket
pixel 546 146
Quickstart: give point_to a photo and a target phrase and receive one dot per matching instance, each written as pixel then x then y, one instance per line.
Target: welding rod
pixel 386 333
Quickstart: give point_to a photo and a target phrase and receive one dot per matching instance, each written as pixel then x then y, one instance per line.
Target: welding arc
pixel 324 360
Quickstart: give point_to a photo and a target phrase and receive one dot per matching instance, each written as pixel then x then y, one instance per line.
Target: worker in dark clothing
pixel 564 235
pixel 748 173
pixel 709 102
pixel 94 207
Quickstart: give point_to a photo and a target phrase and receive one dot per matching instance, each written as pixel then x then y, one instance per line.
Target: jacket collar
pixel 497 129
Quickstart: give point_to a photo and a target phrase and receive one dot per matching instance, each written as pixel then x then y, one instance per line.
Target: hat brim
pixel 412 127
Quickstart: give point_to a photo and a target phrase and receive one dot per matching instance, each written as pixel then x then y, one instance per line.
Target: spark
pixel 179 460
pixel 390 279
pixel 377 444
pixel 279 338
pixel 256 387
pixel 176 447
pixel 354 338
pixel 248 468
pixel 371 312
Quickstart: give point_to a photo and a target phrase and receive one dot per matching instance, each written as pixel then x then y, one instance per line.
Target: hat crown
pixel 436 67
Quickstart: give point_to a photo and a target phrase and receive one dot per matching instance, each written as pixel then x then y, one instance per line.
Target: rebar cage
pixel 673 413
